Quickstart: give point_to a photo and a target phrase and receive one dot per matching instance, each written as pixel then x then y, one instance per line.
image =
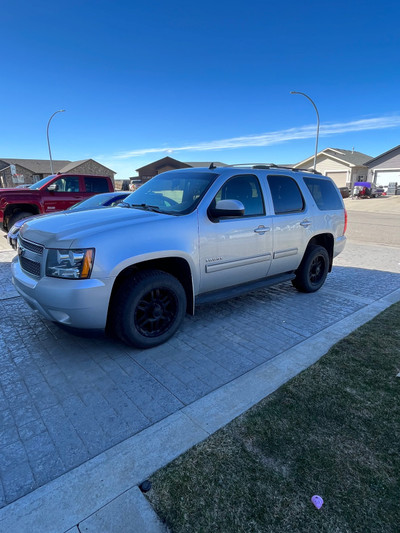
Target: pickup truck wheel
pixel 312 272
pixel 17 216
pixel 150 308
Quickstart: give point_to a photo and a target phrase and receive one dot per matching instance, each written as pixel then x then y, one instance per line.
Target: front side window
pixel 246 189
pixel 286 195
pixel 324 193
pixel 66 184
pixel 174 193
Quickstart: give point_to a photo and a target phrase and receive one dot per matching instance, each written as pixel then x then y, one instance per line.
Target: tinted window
pixel 96 185
pixel 247 190
pixel 324 193
pixel 66 184
pixel 286 195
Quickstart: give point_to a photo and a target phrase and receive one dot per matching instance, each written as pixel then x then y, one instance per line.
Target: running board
pixel 238 290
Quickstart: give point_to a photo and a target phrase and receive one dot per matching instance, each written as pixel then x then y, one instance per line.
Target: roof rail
pixel 267 166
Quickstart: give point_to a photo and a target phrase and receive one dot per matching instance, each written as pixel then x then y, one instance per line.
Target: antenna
pixel 212 166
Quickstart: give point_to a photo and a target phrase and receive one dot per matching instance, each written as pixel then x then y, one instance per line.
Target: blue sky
pixel 204 81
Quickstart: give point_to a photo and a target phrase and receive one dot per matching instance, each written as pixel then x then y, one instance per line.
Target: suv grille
pixel 30 266
pixel 30 256
pixel 37 248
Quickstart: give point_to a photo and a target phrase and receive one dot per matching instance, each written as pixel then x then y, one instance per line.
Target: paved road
pixel 64 398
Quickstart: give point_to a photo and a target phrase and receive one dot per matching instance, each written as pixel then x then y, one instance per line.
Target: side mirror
pixel 227 208
pixel 52 187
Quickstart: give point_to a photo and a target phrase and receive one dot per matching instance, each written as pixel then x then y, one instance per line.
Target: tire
pixel 312 272
pixel 148 309
pixel 17 216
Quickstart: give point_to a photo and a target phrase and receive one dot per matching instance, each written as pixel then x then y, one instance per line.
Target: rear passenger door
pixel 292 223
pixel 94 185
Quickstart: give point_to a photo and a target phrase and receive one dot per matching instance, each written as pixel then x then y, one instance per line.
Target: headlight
pixel 70 264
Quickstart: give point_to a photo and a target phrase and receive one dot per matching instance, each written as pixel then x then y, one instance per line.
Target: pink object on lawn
pixel 317 501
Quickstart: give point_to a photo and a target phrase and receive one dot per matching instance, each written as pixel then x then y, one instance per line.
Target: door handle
pixel 305 223
pixel 261 230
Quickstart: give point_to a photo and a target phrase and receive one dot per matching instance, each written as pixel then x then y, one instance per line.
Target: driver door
pixel 64 192
pixel 236 250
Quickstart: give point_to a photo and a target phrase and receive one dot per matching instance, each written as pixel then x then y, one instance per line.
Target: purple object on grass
pixel 317 501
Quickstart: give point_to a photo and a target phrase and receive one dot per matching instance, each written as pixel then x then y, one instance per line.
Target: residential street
pixel 376 220
pixel 64 399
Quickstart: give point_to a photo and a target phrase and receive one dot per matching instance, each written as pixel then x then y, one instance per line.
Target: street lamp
pixel 316 141
pixel 48 140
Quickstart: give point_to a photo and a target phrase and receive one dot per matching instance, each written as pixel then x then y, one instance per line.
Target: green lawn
pixel 334 430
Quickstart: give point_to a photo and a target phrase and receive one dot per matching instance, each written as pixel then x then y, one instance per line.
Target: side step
pixel 238 290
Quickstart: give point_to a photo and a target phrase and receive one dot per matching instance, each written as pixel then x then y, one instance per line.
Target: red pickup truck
pixel 53 193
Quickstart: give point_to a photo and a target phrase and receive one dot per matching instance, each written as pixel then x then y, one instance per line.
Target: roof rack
pixel 267 166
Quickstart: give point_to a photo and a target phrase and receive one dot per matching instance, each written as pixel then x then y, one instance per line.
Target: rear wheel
pixel 312 272
pixel 148 308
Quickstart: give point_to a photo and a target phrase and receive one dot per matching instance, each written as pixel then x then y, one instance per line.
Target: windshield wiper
pixel 147 207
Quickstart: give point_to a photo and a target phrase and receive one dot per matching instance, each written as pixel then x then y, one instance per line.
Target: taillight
pixel 345 222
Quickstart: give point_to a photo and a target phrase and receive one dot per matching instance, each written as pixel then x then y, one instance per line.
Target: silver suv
pixel 185 237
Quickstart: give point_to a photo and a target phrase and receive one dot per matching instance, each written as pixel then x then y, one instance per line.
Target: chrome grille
pixel 37 248
pixel 33 267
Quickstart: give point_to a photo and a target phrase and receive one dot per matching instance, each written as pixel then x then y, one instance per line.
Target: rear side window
pixel 324 193
pixel 96 185
pixel 286 195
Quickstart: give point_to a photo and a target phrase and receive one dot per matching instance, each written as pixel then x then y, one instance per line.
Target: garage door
pixel 384 177
pixel 339 178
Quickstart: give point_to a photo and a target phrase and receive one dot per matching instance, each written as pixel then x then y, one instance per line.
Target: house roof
pixel 206 164
pixel 382 155
pixel 72 164
pixel 42 166
pixel 163 161
pixel 349 157
pixel 37 166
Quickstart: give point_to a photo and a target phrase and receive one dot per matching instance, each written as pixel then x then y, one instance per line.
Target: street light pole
pixel 316 141
pixel 48 140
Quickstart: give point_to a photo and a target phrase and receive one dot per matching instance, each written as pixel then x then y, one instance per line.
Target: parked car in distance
pixel 49 195
pixel 186 237
pixel 107 199
pixel 344 191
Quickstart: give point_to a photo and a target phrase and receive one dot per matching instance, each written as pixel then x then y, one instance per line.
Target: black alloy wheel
pixel 313 270
pixel 156 312
pixel 148 308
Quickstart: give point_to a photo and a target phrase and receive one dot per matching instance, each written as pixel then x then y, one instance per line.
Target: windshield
pixel 173 193
pixel 42 182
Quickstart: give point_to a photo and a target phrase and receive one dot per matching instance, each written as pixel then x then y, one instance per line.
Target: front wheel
pixel 312 272
pixel 19 215
pixel 148 308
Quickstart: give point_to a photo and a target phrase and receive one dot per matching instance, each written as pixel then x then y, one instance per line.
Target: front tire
pixel 148 308
pixel 313 270
pixel 17 216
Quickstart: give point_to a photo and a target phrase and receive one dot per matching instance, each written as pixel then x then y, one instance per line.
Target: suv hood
pixel 62 229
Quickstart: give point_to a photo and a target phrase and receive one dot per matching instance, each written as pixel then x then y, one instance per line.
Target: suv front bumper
pixel 75 303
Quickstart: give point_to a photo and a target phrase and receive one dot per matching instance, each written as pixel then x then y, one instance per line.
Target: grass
pixel 333 430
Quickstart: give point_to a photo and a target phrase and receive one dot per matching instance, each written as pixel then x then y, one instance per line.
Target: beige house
pixel 14 172
pixel 344 166
pixel 385 168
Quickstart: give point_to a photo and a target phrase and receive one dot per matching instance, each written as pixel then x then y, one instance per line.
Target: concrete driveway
pixel 65 399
